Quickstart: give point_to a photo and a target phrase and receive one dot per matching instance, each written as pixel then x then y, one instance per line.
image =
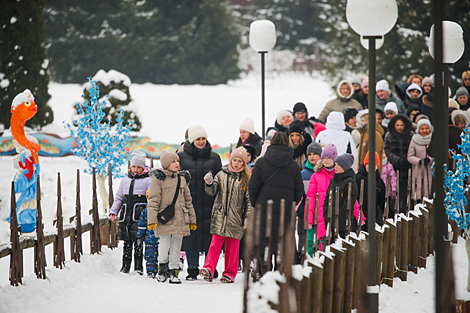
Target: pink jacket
pixel 318 185
pixel 388 169
pixel 421 176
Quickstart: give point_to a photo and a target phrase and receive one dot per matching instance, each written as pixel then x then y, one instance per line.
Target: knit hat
pixel 167 157
pixel 349 113
pixel 427 80
pixel 270 132
pixel 300 107
pixel 329 151
pixel 356 80
pixel 296 127
pixel 195 132
pixel 314 147
pixel 461 91
pixel 391 106
pixel 248 125
pixel 453 104
pixel 365 82
pixel 377 159
pixel 138 158
pixel 281 114
pixel 382 85
pixel 421 122
pixel 250 149
pixel 240 152
pixel 345 161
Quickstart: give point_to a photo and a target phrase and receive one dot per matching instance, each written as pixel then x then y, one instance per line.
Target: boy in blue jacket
pixel 151 244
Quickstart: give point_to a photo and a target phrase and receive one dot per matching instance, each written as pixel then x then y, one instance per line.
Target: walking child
pixel 229 213
pixel 151 244
pixel 387 170
pixel 129 202
pixel 169 192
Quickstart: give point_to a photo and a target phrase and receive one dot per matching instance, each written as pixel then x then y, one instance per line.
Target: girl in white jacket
pixel 336 135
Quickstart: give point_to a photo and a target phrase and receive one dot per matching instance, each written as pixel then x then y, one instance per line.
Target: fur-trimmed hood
pixel 161 174
pixel 338 90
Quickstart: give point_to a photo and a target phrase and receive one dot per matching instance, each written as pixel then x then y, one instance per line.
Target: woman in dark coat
pixel 198 158
pixel 397 141
pixel 275 176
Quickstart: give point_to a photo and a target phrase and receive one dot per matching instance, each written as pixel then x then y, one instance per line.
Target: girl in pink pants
pixel 231 206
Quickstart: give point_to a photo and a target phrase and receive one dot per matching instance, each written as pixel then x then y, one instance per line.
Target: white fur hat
pixel 248 125
pixel 382 85
pixel 391 106
pixel 195 132
pixel 138 158
pixel 281 114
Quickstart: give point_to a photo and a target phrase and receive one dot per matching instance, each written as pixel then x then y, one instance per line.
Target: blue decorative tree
pixel 99 143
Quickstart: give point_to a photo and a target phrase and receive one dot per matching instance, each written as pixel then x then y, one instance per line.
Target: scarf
pixel 241 169
pixel 329 170
pixel 309 165
pixel 422 141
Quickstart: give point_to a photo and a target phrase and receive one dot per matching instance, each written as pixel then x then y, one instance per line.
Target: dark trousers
pixel 127 250
pixel 403 185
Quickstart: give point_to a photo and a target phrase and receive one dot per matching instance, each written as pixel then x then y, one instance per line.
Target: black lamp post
pixel 262 39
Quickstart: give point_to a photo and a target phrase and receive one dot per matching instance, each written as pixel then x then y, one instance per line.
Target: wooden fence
pixel 102 230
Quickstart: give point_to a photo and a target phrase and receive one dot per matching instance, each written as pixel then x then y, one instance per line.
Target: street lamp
pixel 372 20
pixel 446 46
pixel 262 39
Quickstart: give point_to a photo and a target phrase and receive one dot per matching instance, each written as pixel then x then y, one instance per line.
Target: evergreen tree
pixel 180 41
pixel 23 63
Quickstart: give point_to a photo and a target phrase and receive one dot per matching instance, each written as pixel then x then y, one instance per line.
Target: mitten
pixel 193 226
pixel 426 161
pixel 152 227
pixel 208 178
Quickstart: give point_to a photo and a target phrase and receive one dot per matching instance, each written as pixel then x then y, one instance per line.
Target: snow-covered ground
pixel 166 112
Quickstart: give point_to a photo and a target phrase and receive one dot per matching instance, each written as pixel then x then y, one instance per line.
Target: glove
pixel 208 178
pixel 112 217
pixel 245 223
pixel 139 242
pixel 426 161
pixel 402 162
pixel 193 226
pixel 310 226
pixel 152 227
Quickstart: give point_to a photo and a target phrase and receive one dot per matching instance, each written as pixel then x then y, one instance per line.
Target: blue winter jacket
pixel 143 232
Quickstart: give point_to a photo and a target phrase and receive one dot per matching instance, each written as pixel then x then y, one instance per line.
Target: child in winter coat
pixel 363 175
pixel 364 141
pixel 319 183
pixel 387 170
pixel 229 213
pixel 165 193
pixel 129 202
pixel 250 155
pixel 151 244
pixel 344 175
pixel 421 162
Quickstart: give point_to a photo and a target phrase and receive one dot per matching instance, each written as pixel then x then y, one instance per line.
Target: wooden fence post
pixel 280 241
pixel 388 277
pixel 424 238
pixel 59 253
pixel 39 250
pixel 267 243
pixel 430 207
pixel 415 242
pixel 359 217
pixel 113 225
pixel 95 237
pixel 385 250
pixel 349 277
pixel 316 281
pixel 357 268
pixel 328 276
pixel 339 279
pixel 404 248
pixel 398 246
pixel 248 252
pixel 16 265
pixel 336 232
pixel 379 241
pixel 76 238
pixel 258 261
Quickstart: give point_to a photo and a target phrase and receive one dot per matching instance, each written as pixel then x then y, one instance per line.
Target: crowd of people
pixel 194 206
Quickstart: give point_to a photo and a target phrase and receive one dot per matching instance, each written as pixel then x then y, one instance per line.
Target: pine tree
pixel 23 63
pixel 178 41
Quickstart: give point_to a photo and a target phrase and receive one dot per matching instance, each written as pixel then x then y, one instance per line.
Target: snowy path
pixel 96 285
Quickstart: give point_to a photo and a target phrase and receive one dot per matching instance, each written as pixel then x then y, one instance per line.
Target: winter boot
pixel 126 265
pixel 151 275
pixel 181 265
pixel 206 274
pixel 192 274
pixel 226 280
pixel 216 274
pixel 174 277
pixel 162 272
pixel 138 267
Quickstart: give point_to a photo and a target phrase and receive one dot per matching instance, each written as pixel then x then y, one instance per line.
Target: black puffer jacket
pixel 379 196
pixel 285 182
pixel 199 162
pixel 342 181
pixel 396 145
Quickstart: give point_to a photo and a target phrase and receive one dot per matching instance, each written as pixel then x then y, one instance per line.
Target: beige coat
pixel 162 191
pixel 227 220
pixel 340 103
pixel 364 144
